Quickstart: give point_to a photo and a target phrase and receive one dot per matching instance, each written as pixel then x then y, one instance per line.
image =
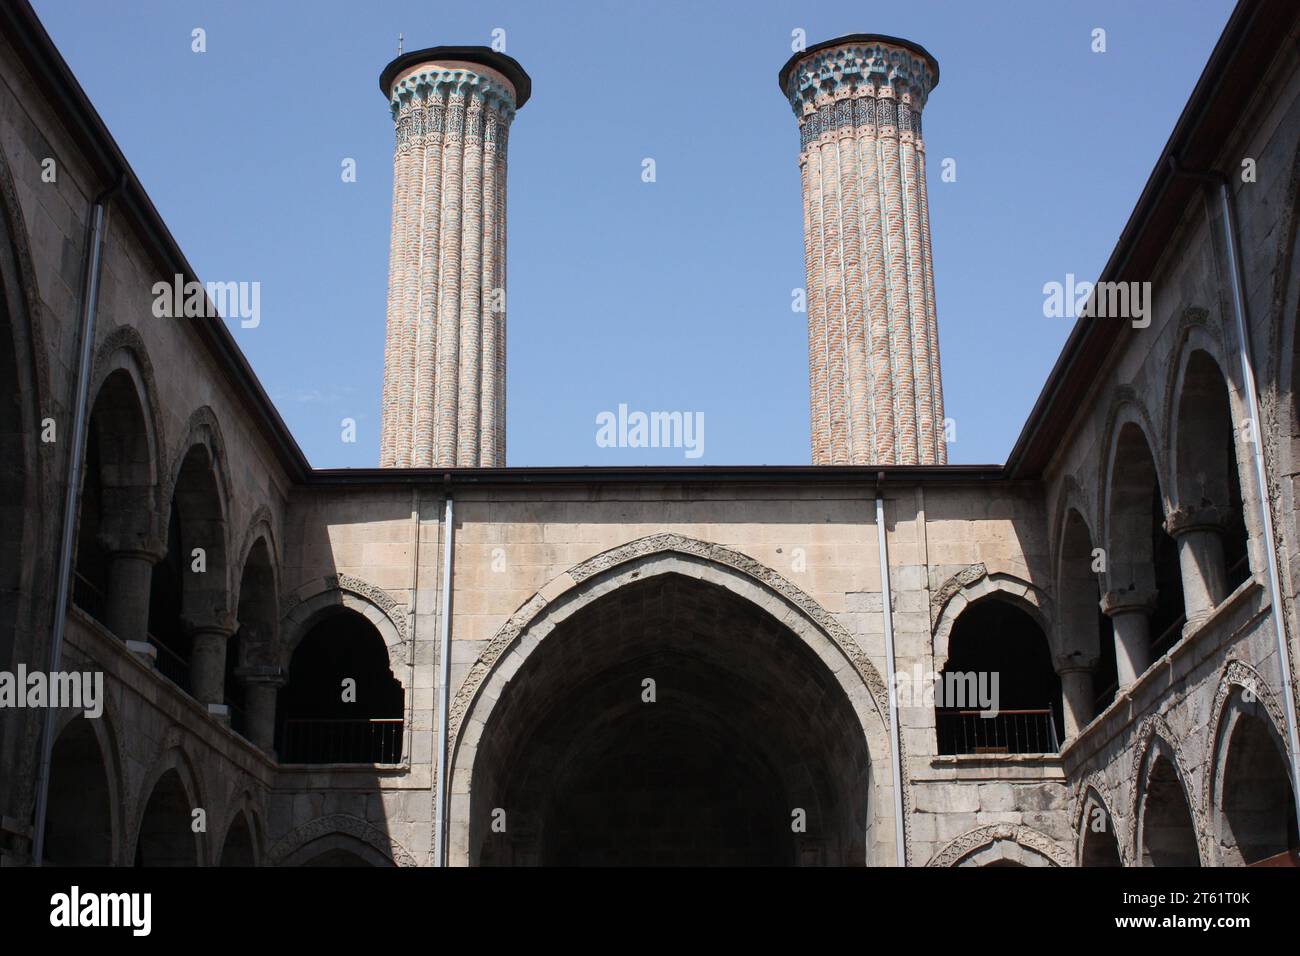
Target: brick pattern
pixel 876 394
pixel 444 356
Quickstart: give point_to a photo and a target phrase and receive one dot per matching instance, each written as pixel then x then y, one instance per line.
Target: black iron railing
pixel 1006 732
pixel 1105 698
pixel 362 740
pixel 238 716
pixel 171 665
pixel 88 597
pixel 1168 638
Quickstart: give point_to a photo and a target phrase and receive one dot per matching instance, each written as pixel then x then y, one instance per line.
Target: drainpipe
pixel 444 677
pixel 1237 280
pixel 887 602
pixel 72 490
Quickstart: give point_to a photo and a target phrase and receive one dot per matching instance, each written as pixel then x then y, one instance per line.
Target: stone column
pixel 876 393
pixel 444 356
pixel 130 576
pixel 208 661
pixel 261 685
pixel 1199 534
pixel 1077 693
pixel 1130 614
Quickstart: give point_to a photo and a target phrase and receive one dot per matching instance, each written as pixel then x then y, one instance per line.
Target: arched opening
pixel 189 583
pixel 1086 631
pixel 167 837
pixel 1257 822
pixel 1143 558
pixel 238 850
pixel 998 690
pixel 116 499
pixel 1207 474
pixel 338 850
pixel 671 721
pixel 1168 834
pixel 254 635
pixel 1100 842
pixel 341 703
pixel 79 818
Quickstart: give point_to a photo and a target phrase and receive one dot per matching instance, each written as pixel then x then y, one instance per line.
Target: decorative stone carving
pixel 962 579
pixel 972 840
pixel 339 823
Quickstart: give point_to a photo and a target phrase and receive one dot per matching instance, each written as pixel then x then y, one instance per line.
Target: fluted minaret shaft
pixel 873 349
pixel 444 355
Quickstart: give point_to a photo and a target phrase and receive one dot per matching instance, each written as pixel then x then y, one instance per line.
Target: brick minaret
pixel 444 400
pixel 873 345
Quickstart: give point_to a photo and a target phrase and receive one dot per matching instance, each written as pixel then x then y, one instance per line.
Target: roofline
pixel 1252 36
pixel 57 81
pixel 660 474
pixel 783 77
pixel 507 66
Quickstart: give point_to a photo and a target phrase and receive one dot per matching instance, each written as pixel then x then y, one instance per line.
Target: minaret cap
pixel 784 76
pixel 507 66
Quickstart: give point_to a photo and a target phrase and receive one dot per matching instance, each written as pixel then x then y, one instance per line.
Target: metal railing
pixel 238 716
pixel 88 597
pixel 171 665
pixel 1007 732
pixel 1105 698
pixel 348 740
pixel 1168 638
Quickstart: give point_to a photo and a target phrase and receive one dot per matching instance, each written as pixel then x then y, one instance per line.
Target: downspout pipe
pixel 95 231
pixel 444 677
pixel 1237 281
pixel 887 611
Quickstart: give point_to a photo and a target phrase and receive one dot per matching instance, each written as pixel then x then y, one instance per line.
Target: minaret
pixel 444 401
pixel 873 344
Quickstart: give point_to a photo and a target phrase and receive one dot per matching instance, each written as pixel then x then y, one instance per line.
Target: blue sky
pixel 672 295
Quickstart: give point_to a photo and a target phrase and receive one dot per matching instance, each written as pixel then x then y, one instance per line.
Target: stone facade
pixel 752 600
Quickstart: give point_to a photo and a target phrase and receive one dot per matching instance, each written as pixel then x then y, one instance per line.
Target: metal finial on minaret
pixel 399 44
pixel 873 344
pixel 444 393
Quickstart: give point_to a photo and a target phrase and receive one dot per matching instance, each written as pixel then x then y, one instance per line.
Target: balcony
pixel 1007 732
pixel 331 741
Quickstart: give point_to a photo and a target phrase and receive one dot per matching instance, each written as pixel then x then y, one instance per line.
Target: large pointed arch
pixel 648 558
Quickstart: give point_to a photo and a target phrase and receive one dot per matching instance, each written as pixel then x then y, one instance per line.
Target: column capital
pixel 1189 518
pixel 127 545
pixel 148 552
pixel 262 674
pixel 1127 602
pixel 219 624
pixel 1074 662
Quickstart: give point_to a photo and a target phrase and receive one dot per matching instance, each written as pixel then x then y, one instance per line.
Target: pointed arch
pixel 163 833
pixel 1004 843
pixel 640 561
pixel 1168 827
pixel 976 584
pixel 1247 789
pixel 335 832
